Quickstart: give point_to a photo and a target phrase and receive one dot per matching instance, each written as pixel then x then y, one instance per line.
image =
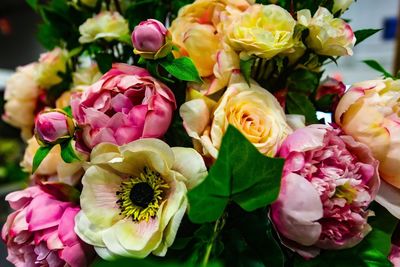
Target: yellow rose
pixel 252 110
pixel 328 36
pixel 52 167
pixel 369 112
pixel 21 96
pixel 106 25
pixel 198 32
pixel 263 31
pixel 50 64
pixel 85 76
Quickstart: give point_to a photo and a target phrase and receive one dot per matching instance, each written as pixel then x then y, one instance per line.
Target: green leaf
pixel 297 103
pixel 148 262
pixel 373 251
pixel 303 80
pixel 361 35
pixel 241 174
pixel 68 152
pixel 104 61
pixel 33 4
pixel 245 68
pixel 182 68
pixel 40 155
pixel 378 67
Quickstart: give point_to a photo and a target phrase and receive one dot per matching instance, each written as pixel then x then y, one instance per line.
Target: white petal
pixel 87 231
pixel 389 197
pixel 190 164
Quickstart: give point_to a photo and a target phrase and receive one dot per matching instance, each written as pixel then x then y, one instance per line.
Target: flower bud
pixel 53 126
pixel 150 39
pixel 328 94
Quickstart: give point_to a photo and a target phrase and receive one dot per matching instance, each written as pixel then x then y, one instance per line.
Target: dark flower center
pixel 142 194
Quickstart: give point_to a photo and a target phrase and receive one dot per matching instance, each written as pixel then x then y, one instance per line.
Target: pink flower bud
pixel 149 36
pixel 53 126
pixel 328 94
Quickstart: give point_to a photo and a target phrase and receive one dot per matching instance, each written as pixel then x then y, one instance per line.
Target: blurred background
pixel 18 46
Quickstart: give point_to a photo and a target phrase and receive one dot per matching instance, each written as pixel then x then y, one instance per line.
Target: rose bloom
pixel 21 96
pixel 252 110
pixel 83 77
pixel 329 180
pixel 50 64
pixel 263 31
pixel 124 105
pixel 198 31
pixel 134 197
pixel 52 168
pixel 328 36
pixel 105 25
pixel 341 5
pixel 53 126
pixel 40 232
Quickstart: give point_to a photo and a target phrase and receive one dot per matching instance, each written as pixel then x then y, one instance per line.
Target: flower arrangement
pixel 186 133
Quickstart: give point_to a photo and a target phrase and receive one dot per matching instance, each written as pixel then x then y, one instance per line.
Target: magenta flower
pixel 328 182
pixel 124 105
pixel 53 126
pixel 40 232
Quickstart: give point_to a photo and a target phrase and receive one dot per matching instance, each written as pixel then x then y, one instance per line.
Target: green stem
pixel 219 224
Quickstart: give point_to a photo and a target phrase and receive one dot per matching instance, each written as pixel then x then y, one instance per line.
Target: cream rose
pixel 107 25
pixel 50 65
pixel 328 35
pixel 252 110
pixel 262 30
pixel 21 96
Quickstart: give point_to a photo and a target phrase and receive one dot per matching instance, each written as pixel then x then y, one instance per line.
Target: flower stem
pixel 219 224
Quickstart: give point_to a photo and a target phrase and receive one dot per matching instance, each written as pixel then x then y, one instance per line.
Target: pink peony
pixel 40 232
pixel 53 126
pixel 124 105
pixel 328 182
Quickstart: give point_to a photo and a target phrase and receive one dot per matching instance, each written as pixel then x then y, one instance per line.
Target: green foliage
pixel 181 68
pixel 371 252
pixel 362 35
pixel 245 68
pixel 40 155
pixel 68 153
pixel 104 61
pixel 298 103
pixel 303 80
pixel 241 174
pixel 378 67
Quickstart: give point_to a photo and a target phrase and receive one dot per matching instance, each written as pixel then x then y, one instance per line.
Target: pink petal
pixel 121 103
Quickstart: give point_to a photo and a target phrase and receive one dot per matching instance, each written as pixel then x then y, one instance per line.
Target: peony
pixel 199 32
pixel 328 36
pixel 124 105
pixel 150 39
pixel 40 232
pixel 341 6
pixel 50 65
pixel 369 112
pixel 329 179
pixel 105 25
pixel 263 31
pixel 21 95
pixel 134 197
pixel 52 168
pixel 53 126
pixel 252 110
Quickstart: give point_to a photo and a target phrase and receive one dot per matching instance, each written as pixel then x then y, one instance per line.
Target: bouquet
pixel 179 132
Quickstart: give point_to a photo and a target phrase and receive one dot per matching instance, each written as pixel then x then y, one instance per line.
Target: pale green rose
pixel 341 5
pixel 105 25
pixel 328 36
pixel 51 64
pixel 134 197
pixel 262 30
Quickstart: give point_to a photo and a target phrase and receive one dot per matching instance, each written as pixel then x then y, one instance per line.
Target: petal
pixel 389 197
pixel 297 210
pixel 196 116
pixel 87 231
pixel 190 164
pixel 66 227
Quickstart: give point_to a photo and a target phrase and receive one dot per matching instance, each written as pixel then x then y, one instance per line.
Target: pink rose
pixel 329 88
pixel 328 182
pixel 53 126
pixel 124 105
pixel 40 232
pixel 149 36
